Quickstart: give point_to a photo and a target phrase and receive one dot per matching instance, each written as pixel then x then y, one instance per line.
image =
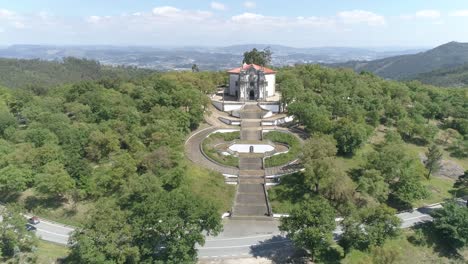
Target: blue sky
pixel 301 23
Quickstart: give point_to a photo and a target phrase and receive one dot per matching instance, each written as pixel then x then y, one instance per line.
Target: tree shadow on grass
pixel 292 188
pixel 433 239
pixel 398 204
pixel 34 202
pixel 279 249
pixel 9 197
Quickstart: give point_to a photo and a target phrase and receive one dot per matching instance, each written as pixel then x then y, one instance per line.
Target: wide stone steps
pixel 251 210
pixel 251 173
pixel 252 181
pixel 250 164
pixel 251 114
pixel 250 188
pixel 252 218
pixel 251 111
pixel 254 124
pixel 250 199
pixel 251 203
pixel 251 135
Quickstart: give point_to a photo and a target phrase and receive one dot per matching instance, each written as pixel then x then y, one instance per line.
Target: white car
pixel 34 220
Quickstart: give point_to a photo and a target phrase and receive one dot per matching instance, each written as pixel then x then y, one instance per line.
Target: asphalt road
pixel 240 238
pixel 265 239
pixel 52 232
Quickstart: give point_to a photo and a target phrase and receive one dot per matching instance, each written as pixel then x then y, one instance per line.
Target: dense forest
pixel 451 77
pixel 342 110
pixel 39 74
pixel 119 143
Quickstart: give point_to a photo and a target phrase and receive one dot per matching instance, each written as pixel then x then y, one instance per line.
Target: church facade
pixel 252 82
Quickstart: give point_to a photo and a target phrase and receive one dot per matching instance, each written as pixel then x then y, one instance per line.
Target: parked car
pixel 34 220
pixel 30 227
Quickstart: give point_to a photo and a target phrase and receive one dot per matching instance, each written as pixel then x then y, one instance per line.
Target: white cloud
pixel 19 25
pixel 429 13
pixel 245 17
pixel 166 11
pixel 167 25
pixel 4 13
pixel 11 18
pixel 94 19
pixel 218 6
pixel 459 13
pixel 361 16
pixel 250 4
pixel 169 12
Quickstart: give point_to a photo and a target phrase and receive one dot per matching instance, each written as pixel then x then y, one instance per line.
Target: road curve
pixel 193 152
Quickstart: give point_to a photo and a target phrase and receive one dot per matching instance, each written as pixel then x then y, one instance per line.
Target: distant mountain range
pixel 451 77
pixel 443 62
pixel 207 58
pixel 445 65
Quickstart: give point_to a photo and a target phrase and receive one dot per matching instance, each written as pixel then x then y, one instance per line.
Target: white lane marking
pixel 51 224
pixel 415 217
pixel 190 137
pixel 45 231
pixel 241 246
pixel 237 238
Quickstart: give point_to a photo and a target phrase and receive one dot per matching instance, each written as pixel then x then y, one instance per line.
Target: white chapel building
pixel 252 82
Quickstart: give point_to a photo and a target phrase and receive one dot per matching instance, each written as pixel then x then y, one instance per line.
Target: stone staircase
pixel 251 202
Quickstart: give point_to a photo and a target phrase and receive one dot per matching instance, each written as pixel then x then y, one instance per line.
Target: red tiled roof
pixel 248 66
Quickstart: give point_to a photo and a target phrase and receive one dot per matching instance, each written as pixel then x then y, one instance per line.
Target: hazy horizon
pixel 320 23
pixel 376 48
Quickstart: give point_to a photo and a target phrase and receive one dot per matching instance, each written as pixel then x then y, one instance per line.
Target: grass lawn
pixel 406 252
pixel 49 252
pixel 286 138
pixel 439 190
pixel 54 209
pixel 208 146
pixel 291 191
pixel 210 185
pixel 446 155
pixel 357 160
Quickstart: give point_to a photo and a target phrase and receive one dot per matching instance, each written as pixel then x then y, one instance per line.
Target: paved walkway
pixel 194 153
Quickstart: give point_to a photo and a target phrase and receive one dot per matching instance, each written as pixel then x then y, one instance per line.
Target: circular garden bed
pixel 288 139
pixel 216 148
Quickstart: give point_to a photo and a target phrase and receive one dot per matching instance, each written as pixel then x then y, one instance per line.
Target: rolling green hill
pixel 453 77
pixel 450 55
pixel 19 73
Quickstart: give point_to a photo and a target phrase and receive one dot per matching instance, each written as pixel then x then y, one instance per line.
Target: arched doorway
pixel 252 95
